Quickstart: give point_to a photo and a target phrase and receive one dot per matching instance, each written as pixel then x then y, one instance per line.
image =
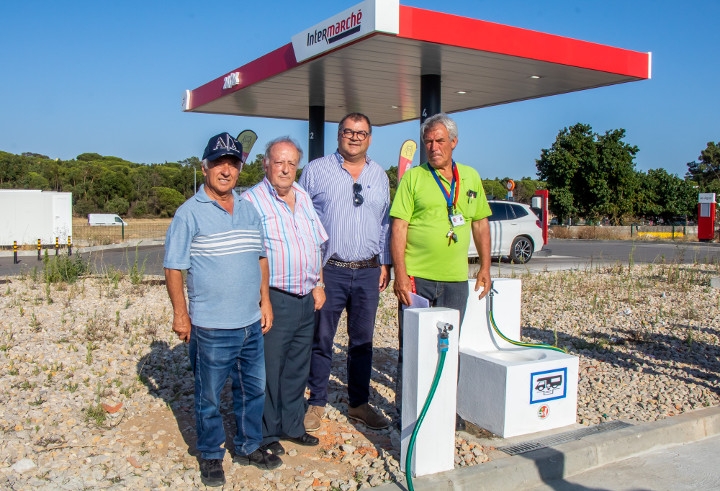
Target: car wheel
pixel 521 250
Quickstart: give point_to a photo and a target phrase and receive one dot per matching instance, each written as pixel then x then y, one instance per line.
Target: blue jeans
pixel 356 291
pixel 215 355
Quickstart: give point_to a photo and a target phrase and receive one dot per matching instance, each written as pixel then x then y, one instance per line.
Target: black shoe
pixel 306 439
pixel 260 459
pixel 459 423
pixel 211 472
pixel 274 448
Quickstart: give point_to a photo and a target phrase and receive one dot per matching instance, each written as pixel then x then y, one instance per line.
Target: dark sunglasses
pixel 357 197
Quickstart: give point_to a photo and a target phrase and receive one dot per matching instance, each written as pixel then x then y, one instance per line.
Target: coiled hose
pixel 512 341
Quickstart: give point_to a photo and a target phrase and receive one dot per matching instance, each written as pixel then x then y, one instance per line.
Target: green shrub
pixel 117 205
pixel 67 269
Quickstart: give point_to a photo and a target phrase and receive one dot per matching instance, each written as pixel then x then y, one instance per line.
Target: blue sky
pixel 108 77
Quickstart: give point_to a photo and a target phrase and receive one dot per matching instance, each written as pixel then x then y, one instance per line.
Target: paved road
pixel 641 252
pixel 559 254
pixel 562 254
pixel 693 466
pixel 101 259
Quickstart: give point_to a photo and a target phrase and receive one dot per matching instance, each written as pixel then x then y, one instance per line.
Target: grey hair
pixel 443 119
pixel 282 139
pixel 206 163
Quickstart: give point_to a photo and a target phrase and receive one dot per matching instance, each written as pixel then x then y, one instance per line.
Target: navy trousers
pixel 287 365
pixel 357 292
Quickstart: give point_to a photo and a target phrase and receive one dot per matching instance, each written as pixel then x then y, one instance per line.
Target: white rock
pixel 23 465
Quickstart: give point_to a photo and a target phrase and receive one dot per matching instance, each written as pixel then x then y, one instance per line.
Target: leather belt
pixel 296 295
pixel 366 263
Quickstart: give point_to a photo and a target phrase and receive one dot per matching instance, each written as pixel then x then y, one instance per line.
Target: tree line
pixel 113 185
pixel 589 176
pixel 110 184
pixel 592 176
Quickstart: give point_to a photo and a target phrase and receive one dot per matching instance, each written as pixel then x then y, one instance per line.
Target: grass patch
pixel 64 269
pixel 96 415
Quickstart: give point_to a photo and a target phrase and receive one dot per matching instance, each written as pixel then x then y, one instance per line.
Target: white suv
pixel 515 231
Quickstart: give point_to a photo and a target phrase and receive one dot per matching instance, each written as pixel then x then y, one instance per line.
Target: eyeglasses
pixel 357 197
pixel 350 134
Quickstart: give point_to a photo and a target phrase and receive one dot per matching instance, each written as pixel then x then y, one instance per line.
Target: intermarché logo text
pixel 337 31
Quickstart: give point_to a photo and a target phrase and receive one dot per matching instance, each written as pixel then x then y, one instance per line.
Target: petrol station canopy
pixel 371 58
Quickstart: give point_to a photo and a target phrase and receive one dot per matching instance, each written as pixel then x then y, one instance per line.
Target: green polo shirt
pixel 420 202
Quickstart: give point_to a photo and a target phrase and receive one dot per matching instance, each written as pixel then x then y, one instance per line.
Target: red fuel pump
pixel 539 203
pixel 706 217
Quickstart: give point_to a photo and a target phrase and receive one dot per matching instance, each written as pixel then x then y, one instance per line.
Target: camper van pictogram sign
pixel 548 385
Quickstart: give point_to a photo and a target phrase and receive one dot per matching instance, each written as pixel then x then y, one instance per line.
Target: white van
pixel 105 219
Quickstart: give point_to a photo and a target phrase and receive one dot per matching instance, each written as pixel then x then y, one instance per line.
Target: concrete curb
pixel 540 466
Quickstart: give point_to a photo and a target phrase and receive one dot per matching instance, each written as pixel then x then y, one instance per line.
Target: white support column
pixel 435 443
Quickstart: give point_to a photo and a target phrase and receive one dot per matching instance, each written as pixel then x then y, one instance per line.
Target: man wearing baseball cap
pixel 218 238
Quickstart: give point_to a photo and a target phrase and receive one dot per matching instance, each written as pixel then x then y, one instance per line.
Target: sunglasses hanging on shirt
pixel 357 197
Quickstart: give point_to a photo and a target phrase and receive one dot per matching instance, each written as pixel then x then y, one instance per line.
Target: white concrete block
pixel 435 443
pixel 506 389
pixel 517 392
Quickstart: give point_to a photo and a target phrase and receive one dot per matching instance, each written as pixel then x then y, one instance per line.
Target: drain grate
pixel 561 438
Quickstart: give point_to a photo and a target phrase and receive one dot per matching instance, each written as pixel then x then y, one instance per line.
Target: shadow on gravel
pixel 659 353
pixel 384 362
pixel 703 358
pixel 167 374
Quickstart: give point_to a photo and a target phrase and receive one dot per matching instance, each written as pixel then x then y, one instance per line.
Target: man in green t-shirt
pixel 438 207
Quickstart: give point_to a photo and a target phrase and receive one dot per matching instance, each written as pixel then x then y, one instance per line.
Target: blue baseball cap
pixel 223 144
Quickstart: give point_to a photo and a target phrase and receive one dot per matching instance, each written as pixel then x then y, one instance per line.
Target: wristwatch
pixel 320 284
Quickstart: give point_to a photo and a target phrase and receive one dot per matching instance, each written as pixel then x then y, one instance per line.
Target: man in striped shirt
pixel 293 239
pixel 351 195
pixel 218 238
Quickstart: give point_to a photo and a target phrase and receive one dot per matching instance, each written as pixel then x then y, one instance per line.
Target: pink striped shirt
pixel 292 240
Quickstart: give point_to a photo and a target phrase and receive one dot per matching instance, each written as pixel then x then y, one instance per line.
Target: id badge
pixel 457 220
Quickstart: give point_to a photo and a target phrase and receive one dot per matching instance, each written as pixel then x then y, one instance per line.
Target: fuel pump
pixel 706 217
pixel 539 204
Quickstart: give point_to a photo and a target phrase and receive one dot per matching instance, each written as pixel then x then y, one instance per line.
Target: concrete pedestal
pixel 435 443
pixel 511 390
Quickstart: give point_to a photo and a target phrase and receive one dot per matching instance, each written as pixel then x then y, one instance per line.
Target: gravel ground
pixel 97 391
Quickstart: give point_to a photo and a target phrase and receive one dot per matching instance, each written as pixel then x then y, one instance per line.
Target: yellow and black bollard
pixel 15 260
pixel 57 245
pixel 69 246
pixel 39 246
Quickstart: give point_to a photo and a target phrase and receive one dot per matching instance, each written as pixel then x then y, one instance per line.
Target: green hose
pixel 443 346
pixel 517 343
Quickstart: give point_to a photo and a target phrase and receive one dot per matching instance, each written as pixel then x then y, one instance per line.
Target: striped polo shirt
pixel 356 232
pixel 221 253
pixel 293 240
